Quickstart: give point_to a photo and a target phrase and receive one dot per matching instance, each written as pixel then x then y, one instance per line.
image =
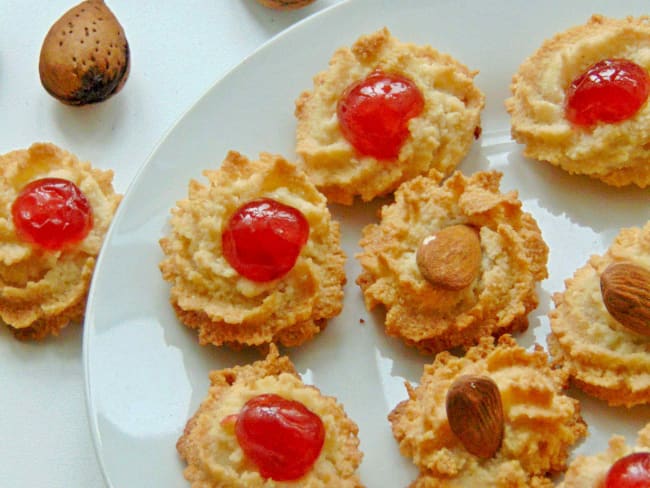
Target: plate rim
pixel 88 332
pixel 87 336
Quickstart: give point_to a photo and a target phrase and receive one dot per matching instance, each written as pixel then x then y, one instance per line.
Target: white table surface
pixel 178 50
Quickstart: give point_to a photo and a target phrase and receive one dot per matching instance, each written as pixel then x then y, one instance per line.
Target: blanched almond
pixel 451 257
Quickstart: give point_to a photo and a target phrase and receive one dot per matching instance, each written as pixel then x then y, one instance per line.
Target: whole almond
pixel 625 288
pixel 85 56
pixel 475 414
pixel 451 257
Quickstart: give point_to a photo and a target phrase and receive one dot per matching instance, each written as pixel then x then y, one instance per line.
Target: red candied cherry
pixel 631 471
pixel 374 113
pixel 282 437
pixel 263 238
pixel 52 213
pixel 609 91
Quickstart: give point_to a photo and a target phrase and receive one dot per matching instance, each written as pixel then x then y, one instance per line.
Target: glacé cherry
pixel 52 213
pixel 263 238
pixel 609 91
pixel 282 437
pixel 374 113
pixel 631 471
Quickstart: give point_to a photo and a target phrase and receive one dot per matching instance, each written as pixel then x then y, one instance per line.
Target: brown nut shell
pixel 451 257
pixel 85 56
pixel 285 4
pixel 475 414
pixel 625 288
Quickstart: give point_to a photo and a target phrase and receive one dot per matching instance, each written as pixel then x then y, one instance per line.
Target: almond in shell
pixel 85 56
pixel 285 4
pixel 625 288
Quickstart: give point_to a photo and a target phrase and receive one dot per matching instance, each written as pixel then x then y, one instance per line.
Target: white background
pixel 178 48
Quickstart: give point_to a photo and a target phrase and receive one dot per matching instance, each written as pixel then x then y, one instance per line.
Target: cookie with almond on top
pixel 600 326
pixel 452 263
pixel 496 417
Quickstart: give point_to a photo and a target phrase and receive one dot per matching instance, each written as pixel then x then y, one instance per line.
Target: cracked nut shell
pixel 85 55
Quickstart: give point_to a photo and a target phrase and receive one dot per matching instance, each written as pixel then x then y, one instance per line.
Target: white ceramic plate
pixel 146 373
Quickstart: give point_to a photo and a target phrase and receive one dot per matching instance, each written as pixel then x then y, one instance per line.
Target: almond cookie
pixel 591 471
pixel 580 101
pixel 383 112
pixel 254 256
pixel 219 441
pixel 452 263
pixel 55 213
pixel 597 324
pixel 525 418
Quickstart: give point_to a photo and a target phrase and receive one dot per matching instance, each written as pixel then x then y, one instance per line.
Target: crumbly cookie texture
pixel 618 154
pixel 604 358
pixel 42 291
pixel 590 471
pixel 213 455
pixel 439 137
pixel 433 318
pixel 227 308
pixel 541 423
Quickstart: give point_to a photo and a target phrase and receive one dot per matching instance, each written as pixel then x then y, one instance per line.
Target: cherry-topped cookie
pixel 580 101
pixel 261 426
pixel 55 213
pixel 619 466
pixel 254 256
pixel 384 112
